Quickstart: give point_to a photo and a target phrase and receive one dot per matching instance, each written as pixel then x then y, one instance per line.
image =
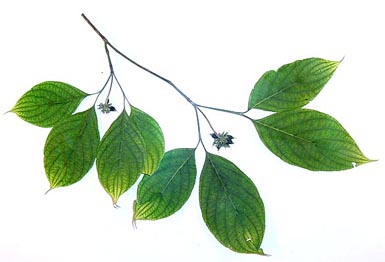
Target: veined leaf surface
pixel 291 86
pixel 121 156
pixel 310 139
pixel 48 103
pixel 153 138
pixel 168 189
pixel 231 205
pixel 70 148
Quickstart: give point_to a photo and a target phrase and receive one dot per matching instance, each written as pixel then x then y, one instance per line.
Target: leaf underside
pixel 231 206
pixel 292 86
pixel 48 103
pixel 310 139
pixel 168 189
pixel 70 148
pixel 153 138
pixel 121 156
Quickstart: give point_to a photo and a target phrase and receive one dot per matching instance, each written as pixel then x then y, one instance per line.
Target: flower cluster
pixel 106 107
pixel 222 140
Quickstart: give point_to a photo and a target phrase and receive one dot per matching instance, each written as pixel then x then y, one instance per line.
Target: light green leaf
pixel 48 103
pixel 70 148
pixel 309 139
pixel 168 189
pixel 231 205
pixel 292 86
pixel 153 139
pixel 120 157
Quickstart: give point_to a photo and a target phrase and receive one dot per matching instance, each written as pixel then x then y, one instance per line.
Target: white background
pixel 215 51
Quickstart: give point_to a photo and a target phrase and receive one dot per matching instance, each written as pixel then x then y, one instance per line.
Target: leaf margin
pixel 90 122
pixel 291 73
pixel 295 115
pixel 257 205
pixel 35 97
pixel 141 210
pixel 123 173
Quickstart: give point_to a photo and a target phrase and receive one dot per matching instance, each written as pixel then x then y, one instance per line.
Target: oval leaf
pixel 48 103
pixel 309 139
pixel 120 157
pixel 153 139
pixel 70 148
pixel 231 205
pixel 168 189
pixel 292 86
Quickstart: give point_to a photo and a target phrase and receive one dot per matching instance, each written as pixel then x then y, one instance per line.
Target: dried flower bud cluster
pixel 222 140
pixel 106 107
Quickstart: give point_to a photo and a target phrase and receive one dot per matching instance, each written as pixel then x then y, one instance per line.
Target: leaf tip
pixel 53 185
pixel 134 218
pixel 260 252
pixel 367 161
pixel 134 226
pixel 9 111
pixel 115 201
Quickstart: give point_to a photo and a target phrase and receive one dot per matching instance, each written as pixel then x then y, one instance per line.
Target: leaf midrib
pixel 175 173
pixel 227 194
pixel 274 94
pixel 283 132
pixel 66 161
pixel 276 73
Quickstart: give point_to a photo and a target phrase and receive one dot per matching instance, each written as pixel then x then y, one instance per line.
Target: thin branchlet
pixel 220 142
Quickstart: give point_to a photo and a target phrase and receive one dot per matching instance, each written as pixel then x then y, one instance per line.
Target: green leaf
pixel 168 189
pixel 70 148
pixel 309 139
pixel 231 205
pixel 292 86
pixel 121 156
pixel 48 103
pixel 153 139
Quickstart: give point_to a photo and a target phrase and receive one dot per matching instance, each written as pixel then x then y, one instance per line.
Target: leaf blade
pixel 309 139
pixel 153 139
pixel 231 206
pixel 70 149
pixel 48 103
pixel 167 190
pixel 120 157
pixel 292 85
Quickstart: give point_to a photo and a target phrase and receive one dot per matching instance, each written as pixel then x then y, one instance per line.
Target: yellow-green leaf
pixel 121 156
pixel 153 138
pixel 70 148
pixel 168 189
pixel 48 103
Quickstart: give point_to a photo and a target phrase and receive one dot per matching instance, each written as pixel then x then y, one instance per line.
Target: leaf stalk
pixel 197 107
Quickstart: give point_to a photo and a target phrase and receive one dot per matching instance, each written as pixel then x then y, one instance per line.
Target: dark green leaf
pixel 292 86
pixel 166 191
pixel 153 139
pixel 121 156
pixel 48 103
pixel 231 205
pixel 309 139
pixel 70 149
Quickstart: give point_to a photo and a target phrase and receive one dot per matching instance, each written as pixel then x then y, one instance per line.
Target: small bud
pixel 214 135
pixel 106 107
pixel 222 140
